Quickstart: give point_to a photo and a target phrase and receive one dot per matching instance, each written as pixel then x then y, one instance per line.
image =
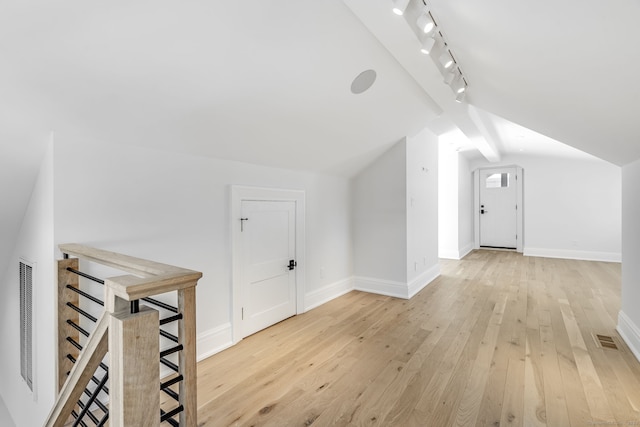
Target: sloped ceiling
pixel 262 82
pixel 268 82
pixel 568 70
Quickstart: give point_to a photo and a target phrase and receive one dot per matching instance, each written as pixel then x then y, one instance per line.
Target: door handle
pixel 483 211
pixel 292 264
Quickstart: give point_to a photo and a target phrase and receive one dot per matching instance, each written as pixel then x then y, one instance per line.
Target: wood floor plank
pixel 513 403
pixel 469 407
pixel 596 398
pixel 497 340
pixel 492 401
pixel 555 402
pixel 534 398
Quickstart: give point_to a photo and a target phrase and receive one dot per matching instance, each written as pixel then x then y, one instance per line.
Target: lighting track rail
pixel 434 44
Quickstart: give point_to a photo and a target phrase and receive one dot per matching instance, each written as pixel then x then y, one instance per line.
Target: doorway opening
pixel 498 203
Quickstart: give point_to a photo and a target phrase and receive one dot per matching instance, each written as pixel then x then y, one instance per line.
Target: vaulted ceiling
pixel 268 81
pixel 563 70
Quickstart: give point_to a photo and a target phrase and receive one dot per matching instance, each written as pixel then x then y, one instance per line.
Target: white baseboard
pixel 573 254
pixel 630 332
pixel 465 250
pixel 456 253
pixel 396 289
pixel 448 254
pixel 214 341
pixel 382 287
pixel 327 293
pixel 423 280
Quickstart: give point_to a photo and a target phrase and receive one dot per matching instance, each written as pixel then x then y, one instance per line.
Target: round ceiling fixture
pixel 363 81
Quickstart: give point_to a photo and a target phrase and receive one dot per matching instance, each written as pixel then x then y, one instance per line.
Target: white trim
pixel 630 333
pixel 574 254
pixel 238 194
pixel 466 250
pixel 382 287
pixel 423 280
pixel 396 289
pixel 214 341
pixel 476 209
pixel 327 293
pixel 456 254
pixel 449 254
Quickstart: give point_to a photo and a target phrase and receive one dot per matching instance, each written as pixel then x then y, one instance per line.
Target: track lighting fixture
pixel 433 43
pixel 427 45
pixel 425 22
pixel 450 75
pixel 446 60
pixel 459 85
pixel 399 6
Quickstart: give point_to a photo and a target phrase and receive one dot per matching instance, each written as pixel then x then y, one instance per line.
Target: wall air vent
pixel 26 323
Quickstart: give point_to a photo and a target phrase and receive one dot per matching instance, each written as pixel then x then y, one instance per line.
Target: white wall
pixel 5 416
pixel 448 218
pixel 572 207
pixel 465 207
pixel 380 218
pixel 175 209
pixel 34 244
pixel 422 210
pixel 455 198
pixel 629 319
pixel 395 219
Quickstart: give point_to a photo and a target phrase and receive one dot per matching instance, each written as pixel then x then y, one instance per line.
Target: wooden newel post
pixel 65 313
pixel 187 357
pixel 134 363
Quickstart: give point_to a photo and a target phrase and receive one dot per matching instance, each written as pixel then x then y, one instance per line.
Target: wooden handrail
pixel 131 288
pixel 147 278
pixel 138 266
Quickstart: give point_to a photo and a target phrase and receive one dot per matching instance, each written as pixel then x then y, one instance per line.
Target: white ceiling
pixel 268 81
pixel 568 70
pixel 263 82
pixel 564 70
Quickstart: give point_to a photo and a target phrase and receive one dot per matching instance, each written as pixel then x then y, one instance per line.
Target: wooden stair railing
pixel 130 334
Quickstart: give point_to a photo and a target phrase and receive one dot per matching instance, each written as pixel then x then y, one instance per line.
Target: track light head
pixel 425 22
pixel 460 97
pixel 427 45
pixel 450 75
pixel 446 60
pixel 459 84
pixel 399 6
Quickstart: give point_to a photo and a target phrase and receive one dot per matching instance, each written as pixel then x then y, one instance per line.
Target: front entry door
pixel 268 263
pixel 498 208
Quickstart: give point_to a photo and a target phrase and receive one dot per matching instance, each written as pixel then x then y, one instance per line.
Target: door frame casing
pixel 244 193
pixel 519 198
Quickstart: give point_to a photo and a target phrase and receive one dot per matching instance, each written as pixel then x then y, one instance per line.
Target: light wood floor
pixel 498 340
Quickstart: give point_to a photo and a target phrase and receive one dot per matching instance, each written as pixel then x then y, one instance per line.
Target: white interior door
pixel 498 208
pixel 268 248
